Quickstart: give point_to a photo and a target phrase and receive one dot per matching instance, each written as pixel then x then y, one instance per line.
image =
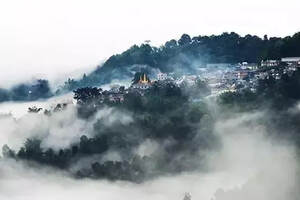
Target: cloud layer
pixel 249 164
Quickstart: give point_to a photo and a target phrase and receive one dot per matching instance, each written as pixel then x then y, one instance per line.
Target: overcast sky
pixel 49 38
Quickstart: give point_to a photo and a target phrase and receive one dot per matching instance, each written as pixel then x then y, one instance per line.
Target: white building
pixel 162 76
pixel 291 60
pixel 142 86
pixel 270 63
pixel 218 65
pixel 187 79
pixel 246 65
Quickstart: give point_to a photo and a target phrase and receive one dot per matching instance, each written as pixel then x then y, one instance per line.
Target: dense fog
pixel 247 163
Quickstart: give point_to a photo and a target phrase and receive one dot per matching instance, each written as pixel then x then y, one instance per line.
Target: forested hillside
pixel 185 54
pixel 179 56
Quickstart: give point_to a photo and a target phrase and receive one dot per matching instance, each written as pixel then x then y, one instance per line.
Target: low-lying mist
pixel 247 163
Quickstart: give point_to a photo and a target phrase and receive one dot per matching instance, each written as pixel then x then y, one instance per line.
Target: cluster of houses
pixel 231 77
pixel 117 93
pixel 221 77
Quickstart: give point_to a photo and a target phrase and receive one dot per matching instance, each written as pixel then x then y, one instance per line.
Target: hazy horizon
pixel 52 39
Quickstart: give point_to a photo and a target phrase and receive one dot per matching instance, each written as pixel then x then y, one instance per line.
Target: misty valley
pixel 208 117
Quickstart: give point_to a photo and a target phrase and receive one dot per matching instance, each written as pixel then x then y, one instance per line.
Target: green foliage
pixel 270 93
pixel 198 90
pixel 175 56
pixel 7 152
pixel 187 53
pixel 244 100
pixel 95 145
pixel 162 114
pixel 87 95
pixel 27 92
pixel 278 99
pixel 4 95
pixel 34 109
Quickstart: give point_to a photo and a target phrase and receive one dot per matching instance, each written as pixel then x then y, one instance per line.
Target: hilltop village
pixel 223 77
pixel 220 77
